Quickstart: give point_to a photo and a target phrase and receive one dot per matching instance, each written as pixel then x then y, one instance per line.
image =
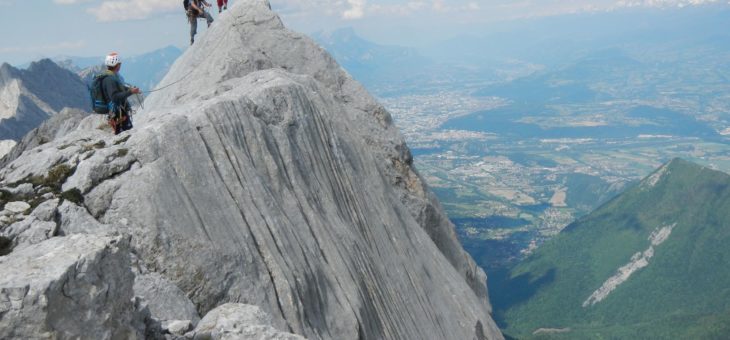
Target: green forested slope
pixel 683 291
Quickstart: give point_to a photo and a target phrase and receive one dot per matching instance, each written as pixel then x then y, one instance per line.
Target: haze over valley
pixel 520 132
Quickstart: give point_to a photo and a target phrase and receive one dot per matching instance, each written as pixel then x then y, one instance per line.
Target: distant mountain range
pixel 30 96
pixel 143 71
pixel 651 263
pixel 555 40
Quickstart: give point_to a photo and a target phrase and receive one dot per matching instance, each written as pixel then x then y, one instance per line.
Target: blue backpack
pixel 99 103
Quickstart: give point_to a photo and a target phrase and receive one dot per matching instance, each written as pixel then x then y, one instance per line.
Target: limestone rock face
pixel 251 38
pixel 263 175
pixel 56 126
pixel 28 97
pixel 234 321
pixel 68 287
pixel 166 302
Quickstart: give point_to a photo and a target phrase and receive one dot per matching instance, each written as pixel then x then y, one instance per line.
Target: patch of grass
pixel 98 145
pixel 5 196
pixel 58 174
pixel 123 140
pixel 55 178
pixel 73 195
pixel 121 153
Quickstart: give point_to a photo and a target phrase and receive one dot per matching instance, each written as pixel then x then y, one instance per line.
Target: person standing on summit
pixel 196 10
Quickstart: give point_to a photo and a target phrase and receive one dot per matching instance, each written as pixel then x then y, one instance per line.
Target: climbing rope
pixel 210 52
pixel 171 84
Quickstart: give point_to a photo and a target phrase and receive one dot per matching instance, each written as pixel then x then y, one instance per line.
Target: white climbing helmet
pixel 112 60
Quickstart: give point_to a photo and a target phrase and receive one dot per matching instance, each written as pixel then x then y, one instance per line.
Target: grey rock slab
pixel 25 189
pixel 165 300
pixel 98 200
pixel 102 165
pixel 68 149
pixel 238 321
pixel 75 219
pixel 46 211
pixel 55 127
pixel 17 207
pixel 177 327
pixel 17 228
pixel 36 162
pixel 33 231
pixel 68 287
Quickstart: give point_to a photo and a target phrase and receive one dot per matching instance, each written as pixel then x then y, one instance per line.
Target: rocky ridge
pixel 263 175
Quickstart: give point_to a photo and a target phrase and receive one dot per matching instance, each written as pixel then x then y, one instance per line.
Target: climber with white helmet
pixel 110 95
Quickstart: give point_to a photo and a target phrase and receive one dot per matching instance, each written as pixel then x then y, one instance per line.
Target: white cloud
pixel 132 9
pixel 356 11
pixel 406 9
pixel 70 2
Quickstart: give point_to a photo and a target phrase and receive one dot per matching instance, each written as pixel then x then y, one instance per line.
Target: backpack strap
pixel 101 78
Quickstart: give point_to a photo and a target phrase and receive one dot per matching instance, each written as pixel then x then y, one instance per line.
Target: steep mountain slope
pixel 651 263
pixel 262 174
pixel 28 97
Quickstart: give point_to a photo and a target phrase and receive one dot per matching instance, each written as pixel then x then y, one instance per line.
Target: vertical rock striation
pixel 252 38
pixel 263 175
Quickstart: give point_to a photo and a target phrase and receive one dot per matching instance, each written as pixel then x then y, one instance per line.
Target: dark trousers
pixel 221 3
pixel 121 121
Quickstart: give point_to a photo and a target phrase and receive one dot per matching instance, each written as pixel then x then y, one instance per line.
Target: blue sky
pixel 47 28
